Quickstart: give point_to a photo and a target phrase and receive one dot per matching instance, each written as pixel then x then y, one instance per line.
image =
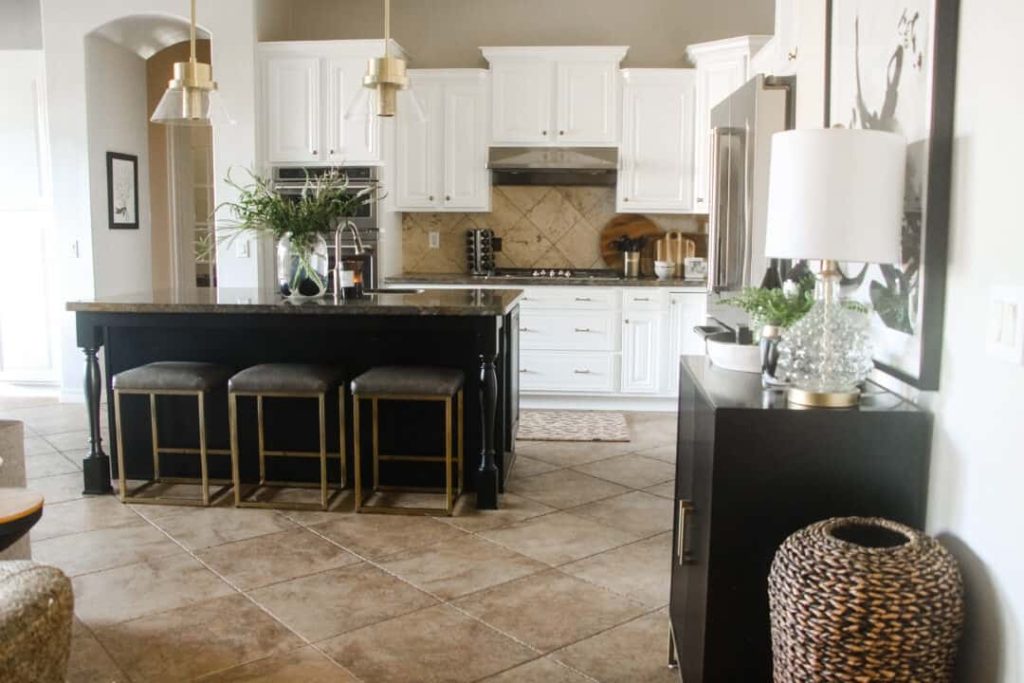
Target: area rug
pixel 572 425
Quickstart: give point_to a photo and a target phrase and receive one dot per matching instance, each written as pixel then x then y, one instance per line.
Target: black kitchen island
pixel 475 331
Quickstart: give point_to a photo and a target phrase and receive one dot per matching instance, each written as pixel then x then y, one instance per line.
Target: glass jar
pixel 302 267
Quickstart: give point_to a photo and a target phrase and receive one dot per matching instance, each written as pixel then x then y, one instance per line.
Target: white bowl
pixel 664 269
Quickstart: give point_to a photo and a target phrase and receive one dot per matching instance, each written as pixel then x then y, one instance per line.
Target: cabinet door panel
pixel 641 346
pixel 521 108
pixel 418 141
pixel 467 184
pixel 657 149
pixel 686 310
pixel 292 104
pixel 716 80
pixel 587 103
pixel 353 129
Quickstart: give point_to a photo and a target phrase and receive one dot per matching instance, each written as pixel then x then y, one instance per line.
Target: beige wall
pixel 448 33
pixel 159 69
pixel 552 227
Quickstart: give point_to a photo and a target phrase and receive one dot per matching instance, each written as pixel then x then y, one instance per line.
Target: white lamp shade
pixel 836 194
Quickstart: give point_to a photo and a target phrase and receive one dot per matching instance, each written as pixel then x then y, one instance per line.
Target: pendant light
pixel 191 96
pixel 386 74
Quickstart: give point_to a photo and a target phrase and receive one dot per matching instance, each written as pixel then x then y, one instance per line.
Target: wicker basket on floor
pixel 864 599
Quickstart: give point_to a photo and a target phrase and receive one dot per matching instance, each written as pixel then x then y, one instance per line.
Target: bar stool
pixel 286 380
pixel 169 378
pixel 409 384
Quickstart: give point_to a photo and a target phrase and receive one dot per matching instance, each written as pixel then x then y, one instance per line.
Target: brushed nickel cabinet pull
pixel 583 298
pixel 641 298
pixel 523 371
pixel 583 329
pixel 581 372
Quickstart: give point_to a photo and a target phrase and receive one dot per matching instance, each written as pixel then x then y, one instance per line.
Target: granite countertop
pixel 464 279
pixel 441 302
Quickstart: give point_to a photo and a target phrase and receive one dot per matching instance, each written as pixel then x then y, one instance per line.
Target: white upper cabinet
pixel 656 155
pixel 315 109
pixel 722 67
pixel 565 96
pixel 441 150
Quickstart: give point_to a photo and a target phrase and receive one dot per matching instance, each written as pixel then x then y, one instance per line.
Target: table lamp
pixel 834 195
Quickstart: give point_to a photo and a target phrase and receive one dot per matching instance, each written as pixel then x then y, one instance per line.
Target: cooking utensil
pixel 631 226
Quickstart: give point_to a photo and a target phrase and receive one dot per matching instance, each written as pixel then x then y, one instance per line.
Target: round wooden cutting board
pixel 632 226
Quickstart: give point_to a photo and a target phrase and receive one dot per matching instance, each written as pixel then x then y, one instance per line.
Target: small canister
pixel 631 263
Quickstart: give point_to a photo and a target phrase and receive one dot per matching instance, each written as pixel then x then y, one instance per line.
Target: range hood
pixel 554 165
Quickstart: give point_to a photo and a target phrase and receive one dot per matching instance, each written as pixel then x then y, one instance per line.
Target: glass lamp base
pixel 822 399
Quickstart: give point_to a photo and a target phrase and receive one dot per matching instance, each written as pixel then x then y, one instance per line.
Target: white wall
pixel 19 25
pixel 65 25
pixel 117 122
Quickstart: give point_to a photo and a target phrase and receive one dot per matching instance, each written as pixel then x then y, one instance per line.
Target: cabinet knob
pixel 447 197
pixel 626 321
pixel 561 132
pixel 430 198
pixel 543 132
pixel 700 200
pixel 791 55
pixel 625 199
pixel 314 152
pixel 331 151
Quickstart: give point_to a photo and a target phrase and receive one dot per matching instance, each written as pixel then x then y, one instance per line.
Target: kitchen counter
pixel 488 281
pixel 480 302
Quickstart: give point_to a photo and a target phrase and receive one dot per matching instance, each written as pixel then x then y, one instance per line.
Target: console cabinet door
pixel 418 176
pixel 587 103
pixel 522 101
pixel 467 182
pixel 292 109
pixel 657 141
pixel 641 350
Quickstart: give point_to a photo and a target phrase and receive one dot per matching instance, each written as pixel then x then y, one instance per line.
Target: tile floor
pixel 568 582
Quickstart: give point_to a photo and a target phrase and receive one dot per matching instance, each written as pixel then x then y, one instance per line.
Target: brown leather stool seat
pixel 169 378
pixel 286 380
pixel 414 383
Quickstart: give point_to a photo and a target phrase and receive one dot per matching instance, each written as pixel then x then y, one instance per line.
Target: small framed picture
pixel 123 191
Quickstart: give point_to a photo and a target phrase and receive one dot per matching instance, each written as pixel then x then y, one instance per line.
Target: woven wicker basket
pixel 864 599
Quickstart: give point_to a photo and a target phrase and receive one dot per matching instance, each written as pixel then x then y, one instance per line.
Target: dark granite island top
pixel 472 330
pixel 472 302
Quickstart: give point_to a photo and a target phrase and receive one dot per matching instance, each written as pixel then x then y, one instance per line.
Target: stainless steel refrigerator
pixel 742 126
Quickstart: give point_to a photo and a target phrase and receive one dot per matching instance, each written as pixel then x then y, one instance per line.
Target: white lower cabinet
pixel 686 311
pixel 641 348
pixel 567 372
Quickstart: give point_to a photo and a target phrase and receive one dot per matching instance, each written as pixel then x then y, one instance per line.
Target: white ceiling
pixel 147 34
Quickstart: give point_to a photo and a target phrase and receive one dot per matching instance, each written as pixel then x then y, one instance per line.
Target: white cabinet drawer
pixel 644 298
pixel 568 330
pixel 571 298
pixel 567 372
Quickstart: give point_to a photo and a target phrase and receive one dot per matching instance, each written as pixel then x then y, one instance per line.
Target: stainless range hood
pixel 554 165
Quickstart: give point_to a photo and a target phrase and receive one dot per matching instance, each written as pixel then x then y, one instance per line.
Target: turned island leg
pixel 487 476
pixel 96 465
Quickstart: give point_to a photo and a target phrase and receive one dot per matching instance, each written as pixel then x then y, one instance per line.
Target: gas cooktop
pixel 560 273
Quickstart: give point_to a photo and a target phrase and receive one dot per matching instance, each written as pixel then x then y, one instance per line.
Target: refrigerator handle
pixel 714 229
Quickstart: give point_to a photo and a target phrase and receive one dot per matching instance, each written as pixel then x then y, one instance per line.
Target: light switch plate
pixel 1004 338
pixel 242 249
pixel 434 239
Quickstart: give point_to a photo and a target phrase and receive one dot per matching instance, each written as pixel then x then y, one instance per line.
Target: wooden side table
pixel 20 509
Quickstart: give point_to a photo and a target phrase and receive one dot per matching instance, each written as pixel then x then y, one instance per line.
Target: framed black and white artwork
pixel 123 191
pixel 892 66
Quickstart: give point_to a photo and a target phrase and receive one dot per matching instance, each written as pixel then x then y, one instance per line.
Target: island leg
pixel 487 476
pixel 96 465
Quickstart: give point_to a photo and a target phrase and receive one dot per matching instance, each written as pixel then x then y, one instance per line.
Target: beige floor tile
pixel 665 453
pixel 188 642
pixel 99 549
pixel 37 445
pixel 634 471
pixel 543 670
pixel 56 418
pixel 641 571
pixel 48 465
pixel 434 645
pixel 130 592
pixel 59 488
pixel 512 509
pixel 83 514
pixel 342 504
pixel 75 440
pixel 21 402
pixel 564 488
pixel 665 490
pixel 197 528
pixel 636 512
pixel 375 536
pixel 571 453
pixel 559 538
pixel 550 610
pixel 526 466
pixel 340 600
pixel 651 429
pixel 305 665
pixel 460 567
pixel 285 555
pixel 89 662
pixel 637 651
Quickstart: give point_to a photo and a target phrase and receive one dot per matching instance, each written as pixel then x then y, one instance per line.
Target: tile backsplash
pixel 551 226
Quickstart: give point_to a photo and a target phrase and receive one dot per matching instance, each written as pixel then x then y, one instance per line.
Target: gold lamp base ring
pixel 806 398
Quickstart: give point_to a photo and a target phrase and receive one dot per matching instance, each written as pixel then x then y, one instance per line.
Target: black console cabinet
pixel 749 472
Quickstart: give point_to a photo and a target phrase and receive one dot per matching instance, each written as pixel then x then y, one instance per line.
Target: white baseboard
pixel 629 404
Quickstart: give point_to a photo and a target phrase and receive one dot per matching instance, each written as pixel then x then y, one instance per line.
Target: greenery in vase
pixel 781 307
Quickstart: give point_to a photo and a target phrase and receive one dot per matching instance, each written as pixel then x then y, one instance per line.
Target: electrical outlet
pixel 434 239
pixel 1005 335
pixel 242 249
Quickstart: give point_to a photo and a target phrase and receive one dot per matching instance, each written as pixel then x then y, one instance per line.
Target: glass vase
pixel 302 267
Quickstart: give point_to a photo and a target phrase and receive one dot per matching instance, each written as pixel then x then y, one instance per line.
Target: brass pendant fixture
pixel 386 74
pixel 190 98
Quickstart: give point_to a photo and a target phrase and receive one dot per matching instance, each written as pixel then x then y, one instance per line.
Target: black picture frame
pixel 122 193
pixel 923 372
